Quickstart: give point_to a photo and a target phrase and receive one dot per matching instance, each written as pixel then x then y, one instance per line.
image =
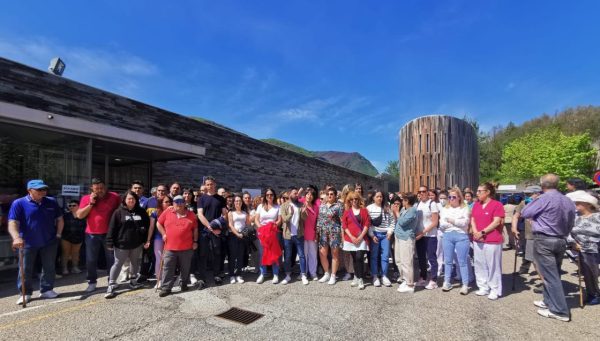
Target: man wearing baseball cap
pixel 35 224
pixel 526 240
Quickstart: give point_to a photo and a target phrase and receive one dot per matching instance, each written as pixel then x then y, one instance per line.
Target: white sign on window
pixel 71 190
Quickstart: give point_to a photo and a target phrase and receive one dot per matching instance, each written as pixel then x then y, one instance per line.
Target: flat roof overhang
pixel 119 141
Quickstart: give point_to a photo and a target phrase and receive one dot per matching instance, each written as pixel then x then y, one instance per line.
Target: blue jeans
pixel 48 256
pixel 288 245
pixel 93 244
pixel 380 254
pixel 432 256
pixel 263 270
pixel 456 242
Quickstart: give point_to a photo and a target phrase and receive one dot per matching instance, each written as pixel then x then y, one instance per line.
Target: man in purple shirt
pixel 552 215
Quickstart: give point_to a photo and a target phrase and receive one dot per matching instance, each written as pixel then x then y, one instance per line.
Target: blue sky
pixel 325 75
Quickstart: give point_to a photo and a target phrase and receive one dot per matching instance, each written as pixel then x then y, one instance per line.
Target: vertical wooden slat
pixel 454 160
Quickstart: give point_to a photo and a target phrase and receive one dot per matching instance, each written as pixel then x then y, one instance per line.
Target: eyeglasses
pixel 396 204
pixel 452 197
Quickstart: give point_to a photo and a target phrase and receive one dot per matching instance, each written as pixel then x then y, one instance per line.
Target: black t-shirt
pixel 212 206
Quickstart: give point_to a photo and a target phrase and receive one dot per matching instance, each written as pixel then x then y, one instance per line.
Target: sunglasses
pixel 422 191
pixel 269 195
pixel 354 199
pixel 41 190
pixel 452 197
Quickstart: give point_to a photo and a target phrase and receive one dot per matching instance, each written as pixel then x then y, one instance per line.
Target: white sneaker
pixel 376 282
pixel 386 281
pixel 232 280
pixel 347 276
pixel 75 270
pixel 239 279
pixel 315 278
pixel 540 304
pixel 421 283
pixel 548 313
pixel 193 279
pixel 464 290
pixel 304 280
pixel 275 279
pixel 286 280
pixel 260 279
pixel 361 284
pixel 48 294
pixel 446 287
pixel 331 280
pixel 91 287
pixel 354 282
pixel 431 285
pixel 493 296
pixel 325 277
pixel 482 292
pixel 20 300
pixel 404 288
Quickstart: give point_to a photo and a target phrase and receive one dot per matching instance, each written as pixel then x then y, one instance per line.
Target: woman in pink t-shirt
pixel 311 209
pixel 487 217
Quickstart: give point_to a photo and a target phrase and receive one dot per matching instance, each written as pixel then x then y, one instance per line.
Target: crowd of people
pixel 180 235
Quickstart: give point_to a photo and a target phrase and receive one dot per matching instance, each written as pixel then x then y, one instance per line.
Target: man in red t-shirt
pixel 97 208
pixel 179 229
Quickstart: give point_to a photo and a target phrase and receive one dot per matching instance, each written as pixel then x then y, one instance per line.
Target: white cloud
pixel 112 70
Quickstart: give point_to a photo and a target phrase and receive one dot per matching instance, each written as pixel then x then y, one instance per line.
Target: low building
pixel 66 133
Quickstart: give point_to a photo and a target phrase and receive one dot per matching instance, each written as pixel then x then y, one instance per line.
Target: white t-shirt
pixel 239 220
pixel 425 210
pixel 460 215
pixel 295 220
pixel 265 216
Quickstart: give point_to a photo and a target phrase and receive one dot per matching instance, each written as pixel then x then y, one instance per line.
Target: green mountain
pixel 353 161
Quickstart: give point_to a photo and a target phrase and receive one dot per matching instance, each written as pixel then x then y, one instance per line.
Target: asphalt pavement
pixel 294 312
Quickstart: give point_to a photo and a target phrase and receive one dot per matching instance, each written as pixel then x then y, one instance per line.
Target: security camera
pixel 57 66
pixel 50 116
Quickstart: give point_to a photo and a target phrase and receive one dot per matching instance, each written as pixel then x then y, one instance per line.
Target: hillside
pixel 353 161
pixel 578 120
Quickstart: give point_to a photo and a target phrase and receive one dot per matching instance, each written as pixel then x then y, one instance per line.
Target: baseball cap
pixel 178 199
pixel 532 189
pixel 36 184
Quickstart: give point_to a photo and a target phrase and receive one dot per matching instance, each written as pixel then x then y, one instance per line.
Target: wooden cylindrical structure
pixel 438 152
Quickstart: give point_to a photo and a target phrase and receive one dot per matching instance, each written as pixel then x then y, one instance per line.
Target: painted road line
pixel 58 312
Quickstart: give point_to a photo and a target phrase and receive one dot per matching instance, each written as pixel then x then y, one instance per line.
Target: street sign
pixel 597 178
pixel 71 190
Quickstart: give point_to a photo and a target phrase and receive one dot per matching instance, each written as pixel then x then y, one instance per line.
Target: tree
pixel 392 168
pixel 547 150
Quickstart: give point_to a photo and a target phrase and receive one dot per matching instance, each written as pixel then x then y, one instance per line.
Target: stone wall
pixel 236 160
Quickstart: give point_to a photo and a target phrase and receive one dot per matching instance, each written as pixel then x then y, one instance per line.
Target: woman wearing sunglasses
pixel 267 219
pixel 355 224
pixel 329 225
pixel 454 224
pixel 487 219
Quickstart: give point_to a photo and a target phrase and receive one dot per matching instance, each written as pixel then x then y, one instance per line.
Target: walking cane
pixel 160 269
pixel 514 279
pixel 579 278
pixel 22 274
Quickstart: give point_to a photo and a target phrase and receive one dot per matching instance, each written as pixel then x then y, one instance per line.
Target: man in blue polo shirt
pixel 35 224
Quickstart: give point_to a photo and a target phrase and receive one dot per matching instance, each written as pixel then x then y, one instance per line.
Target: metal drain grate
pixel 240 316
